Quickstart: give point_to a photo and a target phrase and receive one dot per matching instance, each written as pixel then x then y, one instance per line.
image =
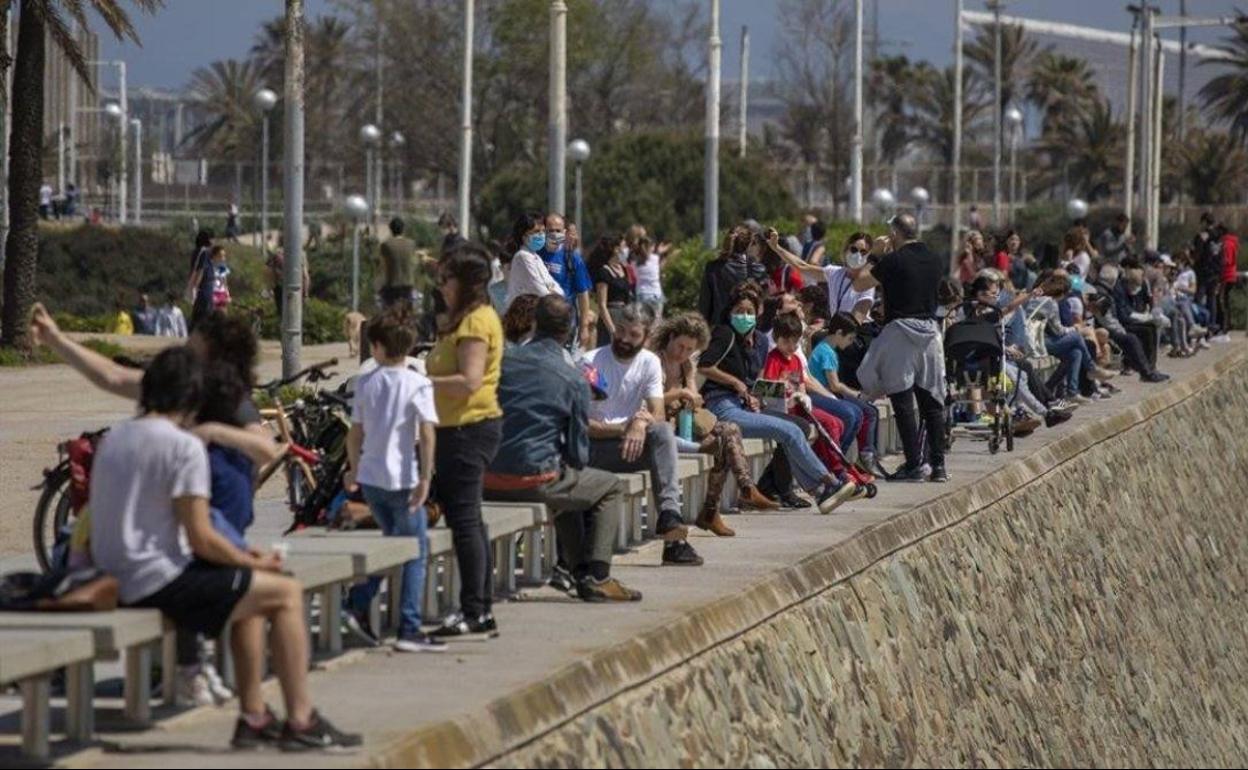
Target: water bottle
pixel 684 424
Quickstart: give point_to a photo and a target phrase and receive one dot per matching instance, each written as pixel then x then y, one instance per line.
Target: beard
pixel 625 351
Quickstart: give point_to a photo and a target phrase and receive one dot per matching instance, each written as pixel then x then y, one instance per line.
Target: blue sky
pixel 192 33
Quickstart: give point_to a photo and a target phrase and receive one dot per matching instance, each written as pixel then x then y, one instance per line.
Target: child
pixel 220 279
pixel 393 415
pixel 825 367
pixel 170 322
pixel 122 324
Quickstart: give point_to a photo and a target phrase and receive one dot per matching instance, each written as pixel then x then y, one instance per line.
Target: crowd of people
pixel 547 373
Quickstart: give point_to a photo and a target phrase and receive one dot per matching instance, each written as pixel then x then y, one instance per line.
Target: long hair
pixel 468 263
pixel 736 241
pixel 604 249
pixel 684 325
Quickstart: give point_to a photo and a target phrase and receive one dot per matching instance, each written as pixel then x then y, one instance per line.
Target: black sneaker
pixel 939 475
pixel 418 643
pixel 561 580
pixel 320 736
pixel 905 474
pixel 833 497
pixel 681 554
pixel 1154 377
pixel 457 628
pixel 360 629
pixel 794 501
pixel 247 738
pixel 1055 417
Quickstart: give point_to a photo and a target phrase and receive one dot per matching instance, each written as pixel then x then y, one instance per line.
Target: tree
pixel 1088 153
pixel 1213 167
pixel 1062 87
pixel 37 19
pixel 1225 97
pixel 225 89
pixel 1017 54
pixel 932 110
pixel 892 86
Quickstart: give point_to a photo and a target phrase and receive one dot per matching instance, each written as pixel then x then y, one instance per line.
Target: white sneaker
pixel 1203 344
pixel 216 685
pixel 1223 337
pixel 192 687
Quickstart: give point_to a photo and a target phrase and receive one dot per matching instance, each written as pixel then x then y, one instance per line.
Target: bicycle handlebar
pixel 315 370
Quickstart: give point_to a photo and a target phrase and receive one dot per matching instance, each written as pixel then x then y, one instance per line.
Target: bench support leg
pixel 79 692
pixel 138 683
pixel 394 597
pixel 331 629
pixel 36 717
pixel 169 668
pixel 431 609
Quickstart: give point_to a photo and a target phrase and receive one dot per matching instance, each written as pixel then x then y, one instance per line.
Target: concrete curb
pixel 525 715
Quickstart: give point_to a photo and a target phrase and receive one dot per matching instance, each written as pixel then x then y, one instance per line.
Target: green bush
pixel 682 274
pixel 322 321
pixel 96 324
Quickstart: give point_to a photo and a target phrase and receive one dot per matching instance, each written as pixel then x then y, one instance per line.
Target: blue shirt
pixel 545 403
pixel 573 281
pixel 822 360
pixel 231 487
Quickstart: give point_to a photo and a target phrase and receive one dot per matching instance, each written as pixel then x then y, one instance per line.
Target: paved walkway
pixel 386 695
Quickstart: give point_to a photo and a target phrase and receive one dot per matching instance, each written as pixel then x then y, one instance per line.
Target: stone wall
pixel 1084 607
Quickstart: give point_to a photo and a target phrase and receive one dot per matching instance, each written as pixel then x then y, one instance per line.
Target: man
pixel 275 267
pixel 545 451
pixel 1115 242
pixel 1207 252
pixel 627 429
pixel 398 256
pixel 1112 312
pixel 569 271
pixel 45 201
pixel 144 316
pixel 151 529
pixel 450 232
pixel 907 361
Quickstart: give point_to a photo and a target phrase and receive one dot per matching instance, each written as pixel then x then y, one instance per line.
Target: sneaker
pixel 561 580
pixel 609 590
pixel 831 499
pixel 1103 375
pixel 247 737
pixel 192 687
pixel 360 629
pixel 1055 417
pixel 681 554
pixel 319 736
pixel 1203 344
pixel 794 502
pixel 1154 377
pixel 216 685
pixel 458 628
pixel 1197 331
pixel 1081 400
pixel 1062 405
pixel 904 474
pixel 939 475
pixel 867 461
pixel 1223 337
pixel 1111 389
pixel 418 643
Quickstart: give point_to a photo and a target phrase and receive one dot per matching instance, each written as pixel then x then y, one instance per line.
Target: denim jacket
pixel 545 405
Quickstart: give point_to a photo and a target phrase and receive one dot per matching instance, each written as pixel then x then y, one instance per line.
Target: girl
pixel 612 287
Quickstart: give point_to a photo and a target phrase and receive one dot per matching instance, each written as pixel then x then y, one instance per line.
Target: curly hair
pixel 230 339
pixel 684 325
pixel 747 290
pixel 520 317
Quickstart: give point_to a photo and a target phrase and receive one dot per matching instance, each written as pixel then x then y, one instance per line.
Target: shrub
pixel 322 321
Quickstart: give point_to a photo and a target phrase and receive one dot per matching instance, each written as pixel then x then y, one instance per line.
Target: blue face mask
pixel 535 242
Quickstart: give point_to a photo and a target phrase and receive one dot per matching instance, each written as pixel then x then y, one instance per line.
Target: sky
pixel 192 33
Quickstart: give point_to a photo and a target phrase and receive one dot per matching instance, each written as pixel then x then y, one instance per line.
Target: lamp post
pixel 1076 208
pixel 921 198
pixel 710 183
pixel 884 201
pixel 557 189
pixel 264 101
pixel 855 158
pixel 115 110
pixel 370 135
pixel 1014 117
pixel 397 142
pixel 137 125
pixel 357 208
pixel 578 152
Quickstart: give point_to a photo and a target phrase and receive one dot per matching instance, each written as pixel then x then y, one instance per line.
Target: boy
pixel 170 322
pixel 825 367
pixel 392 415
pixel 784 364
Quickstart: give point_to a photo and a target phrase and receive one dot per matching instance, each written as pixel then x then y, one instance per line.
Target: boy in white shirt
pixel 392 415
pixel 170 322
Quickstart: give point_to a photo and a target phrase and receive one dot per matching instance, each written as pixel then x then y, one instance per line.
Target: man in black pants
pixel 907 361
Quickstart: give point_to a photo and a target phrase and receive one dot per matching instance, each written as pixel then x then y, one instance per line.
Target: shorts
pixel 202 598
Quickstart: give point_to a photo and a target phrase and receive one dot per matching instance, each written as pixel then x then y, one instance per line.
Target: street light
pixel 356 207
pixel 137 125
pixel 122 110
pixel 113 109
pixel 397 142
pixel 578 152
pixel 370 135
pixel 1014 117
pixel 884 202
pixel 264 101
pixel 1077 208
pixel 921 198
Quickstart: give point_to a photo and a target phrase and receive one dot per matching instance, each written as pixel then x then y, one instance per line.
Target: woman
pixel 737 263
pixel 731 364
pixel 676 341
pixel 528 273
pixel 612 288
pixel 785 278
pixel 1064 342
pixel 973 257
pixel 464 367
pixel 1014 263
pixel 842 296
pixel 1077 251
pixel 647 263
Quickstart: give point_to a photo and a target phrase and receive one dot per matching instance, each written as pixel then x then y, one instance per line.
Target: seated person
pixel 628 432
pixel 1133 353
pixel 151 529
pixel 544 454
pixel 825 367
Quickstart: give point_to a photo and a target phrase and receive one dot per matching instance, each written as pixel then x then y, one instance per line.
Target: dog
pixel 351 326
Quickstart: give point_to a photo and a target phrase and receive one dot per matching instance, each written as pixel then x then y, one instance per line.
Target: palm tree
pixel 1226 96
pixel 1062 87
pixel 932 108
pixel 40 18
pixel 1213 167
pixel 225 90
pixel 1017 54
pixel 1087 153
pixel 892 85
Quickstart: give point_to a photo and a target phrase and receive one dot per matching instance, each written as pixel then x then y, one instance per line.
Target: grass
pixel 41 356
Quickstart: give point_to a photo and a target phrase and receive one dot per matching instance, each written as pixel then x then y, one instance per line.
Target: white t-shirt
pixel 1082 262
pixel 390 403
pixel 141 467
pixel 1186 282
pixel 629 384
pixel 648 281
pixel 529 276
pixel 45 195
pixel 842 296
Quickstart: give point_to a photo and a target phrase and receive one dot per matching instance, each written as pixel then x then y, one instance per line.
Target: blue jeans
pixel 1070 350
pixel 390 510
pixel 845 411
pixel 808 469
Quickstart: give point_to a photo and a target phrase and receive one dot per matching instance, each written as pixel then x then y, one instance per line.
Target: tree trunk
pixel 25 176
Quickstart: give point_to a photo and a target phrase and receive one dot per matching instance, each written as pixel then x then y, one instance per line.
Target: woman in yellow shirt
pixel 464 366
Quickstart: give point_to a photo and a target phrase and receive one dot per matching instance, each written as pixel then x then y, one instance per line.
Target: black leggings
pixel 932 413
pixel 460 460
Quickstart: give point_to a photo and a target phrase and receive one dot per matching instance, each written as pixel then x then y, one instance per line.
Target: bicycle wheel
pixel 52 515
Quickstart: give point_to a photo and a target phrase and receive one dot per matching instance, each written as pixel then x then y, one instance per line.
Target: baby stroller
pixel 863 480
pixel 975 358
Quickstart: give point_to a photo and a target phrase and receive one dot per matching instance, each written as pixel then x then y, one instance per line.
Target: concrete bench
pixel 28 659
pixel 128 631
pixel 634 488
pixel 323 575
pixel 691 470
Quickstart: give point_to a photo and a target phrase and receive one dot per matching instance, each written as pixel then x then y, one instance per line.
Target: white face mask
pixel 855 259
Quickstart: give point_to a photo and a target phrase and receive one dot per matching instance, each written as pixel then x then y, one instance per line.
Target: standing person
pixel 647 262
pixel 841 294
pixel 398 266
pixel 151 529
pixel 544 456
pixel 392 416
pixel 45 201
pixel 815 251
pixel 1115 242
pixel 974 256
pixel 232 228
pixel 907 362
pixel 199 288
pixel 1230 275
pixel 220 279
pixel 121 324
pixel 451 236
pixel 612 288
pixel 144 316
pixel 465 366
pixel 563 260
pixel 975 220
pixel 71 200
pixel 528 273
pixel 627 430
pixel 275 269
pixel 739 261
pixel 1207 248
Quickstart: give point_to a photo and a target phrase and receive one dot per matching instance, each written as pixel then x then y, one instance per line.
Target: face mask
pixel 806 236
pixel 624 350
pixel 855 259
pixel 556 239
pixel 536 242
pixel 743 323
pixel 624 253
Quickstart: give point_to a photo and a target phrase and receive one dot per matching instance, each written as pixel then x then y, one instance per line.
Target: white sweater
pixel 530 276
